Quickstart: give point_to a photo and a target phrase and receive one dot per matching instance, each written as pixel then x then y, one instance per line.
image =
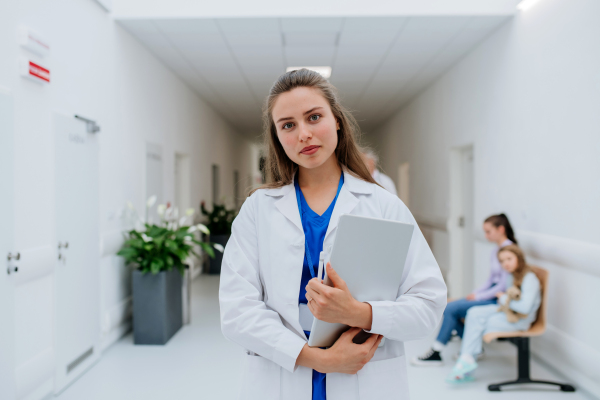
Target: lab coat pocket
pixel 385 379
pixel 261 379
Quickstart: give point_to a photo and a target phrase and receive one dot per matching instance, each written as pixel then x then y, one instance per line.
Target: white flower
pixel 203 229
pixel 189 212
pixel 176 213
pixel 219 247
pixel 161 209
pixel 130 205
pixel 151 200
pixel 182 220
pixel 192 229
pixel 146 238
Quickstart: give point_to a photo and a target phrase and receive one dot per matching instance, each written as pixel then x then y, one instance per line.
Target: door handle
pixel 10 270
pixel 15 257
pixel 64 245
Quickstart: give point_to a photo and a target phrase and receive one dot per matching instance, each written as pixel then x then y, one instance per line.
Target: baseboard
pixel 116 322
pixel 114 335
pixel 569 358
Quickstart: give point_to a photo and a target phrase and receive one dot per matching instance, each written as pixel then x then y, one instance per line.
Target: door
pixel 77 233
pixel 461 272
pixel 7 309
pixel 154 181
pixel 183 179
pixel 404 183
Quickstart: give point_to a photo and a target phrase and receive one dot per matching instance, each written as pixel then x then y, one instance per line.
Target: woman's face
pixel 306 126
pixel 492 233
pixel 509 261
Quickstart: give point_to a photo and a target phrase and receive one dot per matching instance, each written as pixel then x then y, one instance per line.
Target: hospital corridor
pixel 299 200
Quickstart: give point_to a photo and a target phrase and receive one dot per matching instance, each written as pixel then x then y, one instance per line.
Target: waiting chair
pixel 521 340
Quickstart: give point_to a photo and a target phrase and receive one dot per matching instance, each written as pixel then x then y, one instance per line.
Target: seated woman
pixel 497 230
pixel 522 283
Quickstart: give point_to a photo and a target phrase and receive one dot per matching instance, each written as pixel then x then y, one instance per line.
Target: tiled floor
pixel 198 363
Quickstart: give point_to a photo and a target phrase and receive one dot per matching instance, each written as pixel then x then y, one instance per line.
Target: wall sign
pixel 33 41
pixel 34 71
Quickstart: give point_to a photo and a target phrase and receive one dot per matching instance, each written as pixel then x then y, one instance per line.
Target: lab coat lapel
pixel 288 206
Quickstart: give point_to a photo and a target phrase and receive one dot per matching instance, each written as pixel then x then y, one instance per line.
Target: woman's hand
pixel 344 356
pixel 336 304
pixel 499 294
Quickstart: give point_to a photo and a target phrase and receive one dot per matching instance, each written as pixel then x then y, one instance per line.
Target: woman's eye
pixel 288 125
pixel 314 117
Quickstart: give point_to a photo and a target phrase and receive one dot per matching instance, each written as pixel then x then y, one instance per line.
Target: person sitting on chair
pixel 484 319
pixel 497 230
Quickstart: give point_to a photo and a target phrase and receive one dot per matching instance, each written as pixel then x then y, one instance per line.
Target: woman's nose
pixel 304 133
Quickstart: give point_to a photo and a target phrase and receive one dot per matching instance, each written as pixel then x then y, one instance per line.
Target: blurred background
pixel 116 113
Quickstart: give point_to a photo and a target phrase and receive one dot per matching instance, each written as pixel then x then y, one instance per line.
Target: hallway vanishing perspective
pixel 136 140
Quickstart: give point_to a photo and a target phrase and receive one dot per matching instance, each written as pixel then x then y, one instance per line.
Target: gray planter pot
pixel 157 306
pixel 214 264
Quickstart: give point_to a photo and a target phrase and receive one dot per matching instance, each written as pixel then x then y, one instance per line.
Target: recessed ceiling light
pixel 325 71
pixel 526 4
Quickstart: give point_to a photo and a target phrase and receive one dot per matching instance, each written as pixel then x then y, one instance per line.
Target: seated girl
pixel 483 319
pixel 497 230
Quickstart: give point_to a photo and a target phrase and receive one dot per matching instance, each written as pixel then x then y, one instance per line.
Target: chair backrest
pixel 539 325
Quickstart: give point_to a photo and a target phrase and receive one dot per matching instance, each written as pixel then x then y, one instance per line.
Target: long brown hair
pixel 502 220
pixel 522 267
pixel 279 168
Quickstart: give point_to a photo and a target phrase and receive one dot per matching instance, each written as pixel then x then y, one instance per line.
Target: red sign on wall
pixel 39 72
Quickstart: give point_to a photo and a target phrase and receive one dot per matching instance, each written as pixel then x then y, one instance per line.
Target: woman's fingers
pixel 350 333
pixel 312 294
pixel 374 348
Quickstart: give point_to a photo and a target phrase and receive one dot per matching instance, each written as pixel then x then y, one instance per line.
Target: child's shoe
pixel 464 365
pixel 457 379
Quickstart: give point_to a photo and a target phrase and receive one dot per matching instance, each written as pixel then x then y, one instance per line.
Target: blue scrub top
pixel 315 227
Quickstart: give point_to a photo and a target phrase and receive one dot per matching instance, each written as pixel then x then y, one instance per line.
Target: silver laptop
pixel 369 255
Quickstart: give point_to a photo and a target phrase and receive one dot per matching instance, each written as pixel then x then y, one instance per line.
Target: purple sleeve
pixel 490 292
pixel 485 287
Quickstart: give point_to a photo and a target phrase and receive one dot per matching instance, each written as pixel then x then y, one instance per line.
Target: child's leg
pixel 453 314
pixel 499 323
pixel 476 324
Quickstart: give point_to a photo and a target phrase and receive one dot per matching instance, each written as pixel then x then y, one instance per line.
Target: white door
pixel 460 225
pixel 154 180
pixel 77 233
pixel 183 180
pixel 7 308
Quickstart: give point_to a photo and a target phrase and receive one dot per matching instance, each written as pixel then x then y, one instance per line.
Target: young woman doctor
pixel 269 291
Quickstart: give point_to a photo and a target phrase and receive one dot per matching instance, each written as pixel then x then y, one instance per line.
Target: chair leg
pixel 523 369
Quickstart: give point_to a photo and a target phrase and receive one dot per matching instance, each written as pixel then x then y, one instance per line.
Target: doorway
pixel 461 271
pixel 77 233
pixel 7 308
pixel 183 195
pixel 154 180
pixel 404 183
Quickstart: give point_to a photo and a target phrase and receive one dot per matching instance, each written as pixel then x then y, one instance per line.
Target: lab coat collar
pixel 351 182
pixel 288 205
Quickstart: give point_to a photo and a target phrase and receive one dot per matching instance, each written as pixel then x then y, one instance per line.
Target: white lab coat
pixel 385 181
pixel 260 284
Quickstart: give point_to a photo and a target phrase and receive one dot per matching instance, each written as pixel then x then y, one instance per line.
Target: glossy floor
pixel 199 363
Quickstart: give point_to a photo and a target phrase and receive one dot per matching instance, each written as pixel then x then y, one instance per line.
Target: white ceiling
pixel 379 63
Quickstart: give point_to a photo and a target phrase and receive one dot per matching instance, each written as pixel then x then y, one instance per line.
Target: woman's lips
pixel 308 150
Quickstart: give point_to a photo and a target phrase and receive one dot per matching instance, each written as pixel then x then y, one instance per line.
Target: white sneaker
pixel 478 357
pixel 430 359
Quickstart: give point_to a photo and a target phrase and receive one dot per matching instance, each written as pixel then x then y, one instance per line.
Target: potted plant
pixel 218 222
pixel 158 254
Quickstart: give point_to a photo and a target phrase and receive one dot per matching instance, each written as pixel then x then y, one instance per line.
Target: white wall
pixel 528 100
pixel 98 70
